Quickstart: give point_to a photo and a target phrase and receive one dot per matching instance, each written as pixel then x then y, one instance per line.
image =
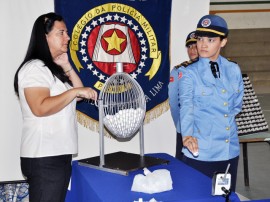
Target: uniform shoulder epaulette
pixel 182 64
pixel 186 63
pixel 231 60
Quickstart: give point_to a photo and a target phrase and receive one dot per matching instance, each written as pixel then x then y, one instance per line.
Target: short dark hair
pixel 38 47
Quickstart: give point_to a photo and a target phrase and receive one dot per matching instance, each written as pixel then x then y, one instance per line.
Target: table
pixel 251 138
pixel 189 185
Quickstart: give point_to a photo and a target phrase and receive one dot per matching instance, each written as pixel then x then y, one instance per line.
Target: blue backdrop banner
pixel 134 32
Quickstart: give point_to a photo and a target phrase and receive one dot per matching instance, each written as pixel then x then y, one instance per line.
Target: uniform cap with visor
pixel 212 26
pixel 191 38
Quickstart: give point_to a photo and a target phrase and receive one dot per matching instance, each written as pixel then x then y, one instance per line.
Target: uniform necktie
pixel 215 69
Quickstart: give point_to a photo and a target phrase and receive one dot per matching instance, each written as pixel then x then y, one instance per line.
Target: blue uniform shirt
pixel 208 107
pixel 174 98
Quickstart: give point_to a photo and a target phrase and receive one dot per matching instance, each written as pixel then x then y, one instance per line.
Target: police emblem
pixel 192 35
pixel 100 39
pixel 206 22
pixel 106 32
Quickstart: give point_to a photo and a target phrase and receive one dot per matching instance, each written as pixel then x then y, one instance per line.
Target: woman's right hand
pixel 86 92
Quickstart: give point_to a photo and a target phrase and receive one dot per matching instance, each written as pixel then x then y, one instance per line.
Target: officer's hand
pixel 192 144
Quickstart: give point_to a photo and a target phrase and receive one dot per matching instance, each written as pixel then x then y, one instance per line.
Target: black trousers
pixel 48 177
pixel 179 146
pixel 210 167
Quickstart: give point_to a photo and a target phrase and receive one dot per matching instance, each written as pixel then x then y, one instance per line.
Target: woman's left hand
pixel 62 60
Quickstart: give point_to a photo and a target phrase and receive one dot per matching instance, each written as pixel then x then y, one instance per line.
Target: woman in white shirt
pixel 48 89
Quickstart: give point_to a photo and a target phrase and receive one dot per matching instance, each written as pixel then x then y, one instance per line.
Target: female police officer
pixel 210 93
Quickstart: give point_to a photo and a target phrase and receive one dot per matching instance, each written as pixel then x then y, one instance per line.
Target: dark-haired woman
pixel 48 89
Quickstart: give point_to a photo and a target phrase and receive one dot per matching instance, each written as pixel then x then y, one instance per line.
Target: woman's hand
pixel 192 144
pixel 81 92
pixel 62 60
pixel 87 93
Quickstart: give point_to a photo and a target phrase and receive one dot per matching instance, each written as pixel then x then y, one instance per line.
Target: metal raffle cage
pixel 121 105
pixel 122 108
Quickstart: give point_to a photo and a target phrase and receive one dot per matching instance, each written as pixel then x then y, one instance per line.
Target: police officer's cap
pixel 212 26
pixel 191 38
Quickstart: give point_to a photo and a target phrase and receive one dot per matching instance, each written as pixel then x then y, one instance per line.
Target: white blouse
pixel 52 135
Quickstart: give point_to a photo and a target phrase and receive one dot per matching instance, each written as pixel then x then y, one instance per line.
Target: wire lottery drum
pixel 123 105
pixel 122 109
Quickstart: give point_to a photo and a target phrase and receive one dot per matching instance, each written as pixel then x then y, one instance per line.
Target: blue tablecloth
pixel 189 185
